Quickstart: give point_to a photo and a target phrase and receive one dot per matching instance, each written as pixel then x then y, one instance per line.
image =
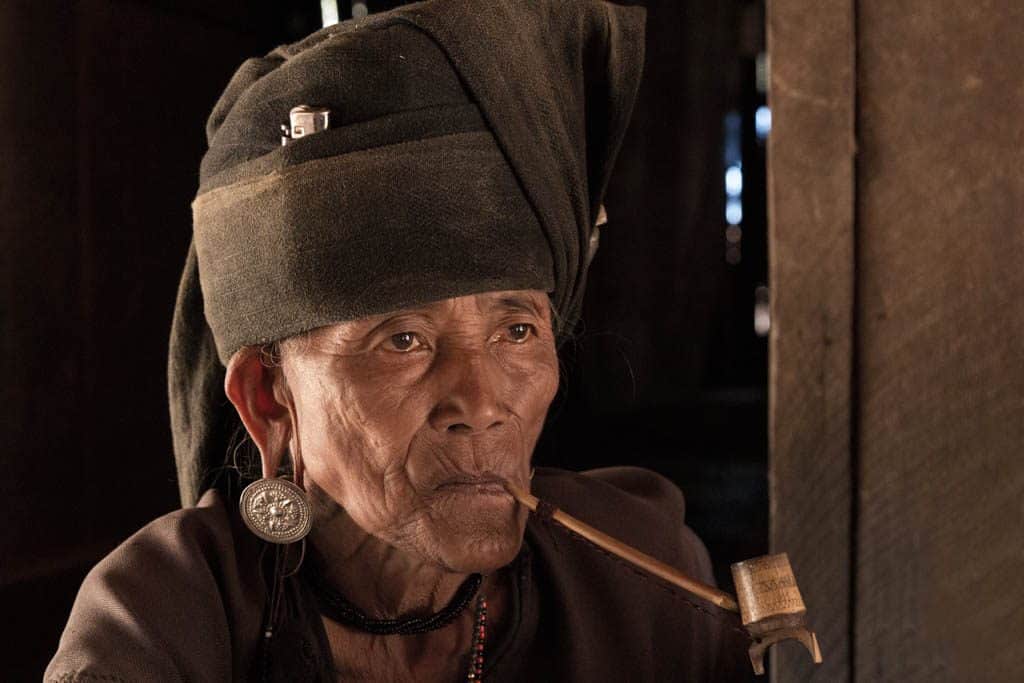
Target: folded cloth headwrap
pixel 468 149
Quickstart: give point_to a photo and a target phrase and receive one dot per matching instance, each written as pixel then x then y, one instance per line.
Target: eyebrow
pixel 518 303
pixel 507 302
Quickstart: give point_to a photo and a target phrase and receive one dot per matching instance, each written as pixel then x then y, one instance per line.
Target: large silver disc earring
pixel 276 510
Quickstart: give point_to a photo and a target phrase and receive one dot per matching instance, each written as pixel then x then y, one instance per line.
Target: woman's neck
pixel 384 583
pixel 381 580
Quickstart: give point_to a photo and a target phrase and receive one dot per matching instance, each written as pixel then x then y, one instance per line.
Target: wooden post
pixel 811 264
pixel 897 377
pixel 940 233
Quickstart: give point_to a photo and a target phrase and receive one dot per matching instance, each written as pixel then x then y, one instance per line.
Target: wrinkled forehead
pixel 529 305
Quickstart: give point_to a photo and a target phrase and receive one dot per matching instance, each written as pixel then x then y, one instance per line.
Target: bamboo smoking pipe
pixel 770 605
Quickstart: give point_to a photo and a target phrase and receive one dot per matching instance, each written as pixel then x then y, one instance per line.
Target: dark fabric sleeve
pixel 688 554
pixel 166 605
pixel 647 511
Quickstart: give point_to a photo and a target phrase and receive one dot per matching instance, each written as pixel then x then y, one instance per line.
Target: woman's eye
pixel 520 332
pixel 405 341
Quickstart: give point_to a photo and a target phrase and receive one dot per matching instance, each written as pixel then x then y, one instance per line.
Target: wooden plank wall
pixel 935 420
pixel 811 211
pixel 940 229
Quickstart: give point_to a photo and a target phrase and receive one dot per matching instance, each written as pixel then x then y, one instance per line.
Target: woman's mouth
pixel 488 484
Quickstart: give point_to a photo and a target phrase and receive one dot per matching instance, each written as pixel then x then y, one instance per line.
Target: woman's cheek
pixel 527 358
pixel 534 367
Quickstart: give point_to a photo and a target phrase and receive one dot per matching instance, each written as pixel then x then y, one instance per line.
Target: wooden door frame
pixel 812 254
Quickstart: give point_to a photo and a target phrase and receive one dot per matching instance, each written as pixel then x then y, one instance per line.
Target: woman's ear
pixel 250 384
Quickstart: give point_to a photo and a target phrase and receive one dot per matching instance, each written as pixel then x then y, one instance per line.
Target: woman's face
pixel 411 420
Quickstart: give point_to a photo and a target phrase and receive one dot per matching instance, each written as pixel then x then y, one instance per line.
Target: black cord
pixel 334 606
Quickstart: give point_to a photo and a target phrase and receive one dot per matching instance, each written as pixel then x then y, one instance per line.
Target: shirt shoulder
pixel 167 604
pixel 633 504
pixel 639 627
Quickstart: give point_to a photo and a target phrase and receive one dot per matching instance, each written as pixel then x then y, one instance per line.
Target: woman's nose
pixel 469 394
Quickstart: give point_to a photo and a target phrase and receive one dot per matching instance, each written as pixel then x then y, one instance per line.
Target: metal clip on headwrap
pixel 305 120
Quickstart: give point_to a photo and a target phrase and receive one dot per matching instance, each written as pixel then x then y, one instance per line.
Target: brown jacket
pixel 183 599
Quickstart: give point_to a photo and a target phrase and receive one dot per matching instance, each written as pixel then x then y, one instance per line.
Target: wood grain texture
pixel 940 571
pixel 811 213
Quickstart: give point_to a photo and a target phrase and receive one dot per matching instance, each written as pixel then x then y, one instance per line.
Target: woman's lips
pixel 491 485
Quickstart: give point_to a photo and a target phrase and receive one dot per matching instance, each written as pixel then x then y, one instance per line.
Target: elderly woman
pixel 375 305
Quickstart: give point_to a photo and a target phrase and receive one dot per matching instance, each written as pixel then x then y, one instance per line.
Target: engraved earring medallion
pixel 276 510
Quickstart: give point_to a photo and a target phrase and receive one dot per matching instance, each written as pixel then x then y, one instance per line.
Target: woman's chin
pixel 487 559
pixel 483 544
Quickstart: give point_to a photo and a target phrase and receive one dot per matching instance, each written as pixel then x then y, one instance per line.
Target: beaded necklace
pixel 476 649
pixel 333 605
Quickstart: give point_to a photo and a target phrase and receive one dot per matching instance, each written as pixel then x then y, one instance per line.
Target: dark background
pixel 103 104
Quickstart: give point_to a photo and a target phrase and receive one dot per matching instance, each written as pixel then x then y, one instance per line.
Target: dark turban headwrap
pixel 469 146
